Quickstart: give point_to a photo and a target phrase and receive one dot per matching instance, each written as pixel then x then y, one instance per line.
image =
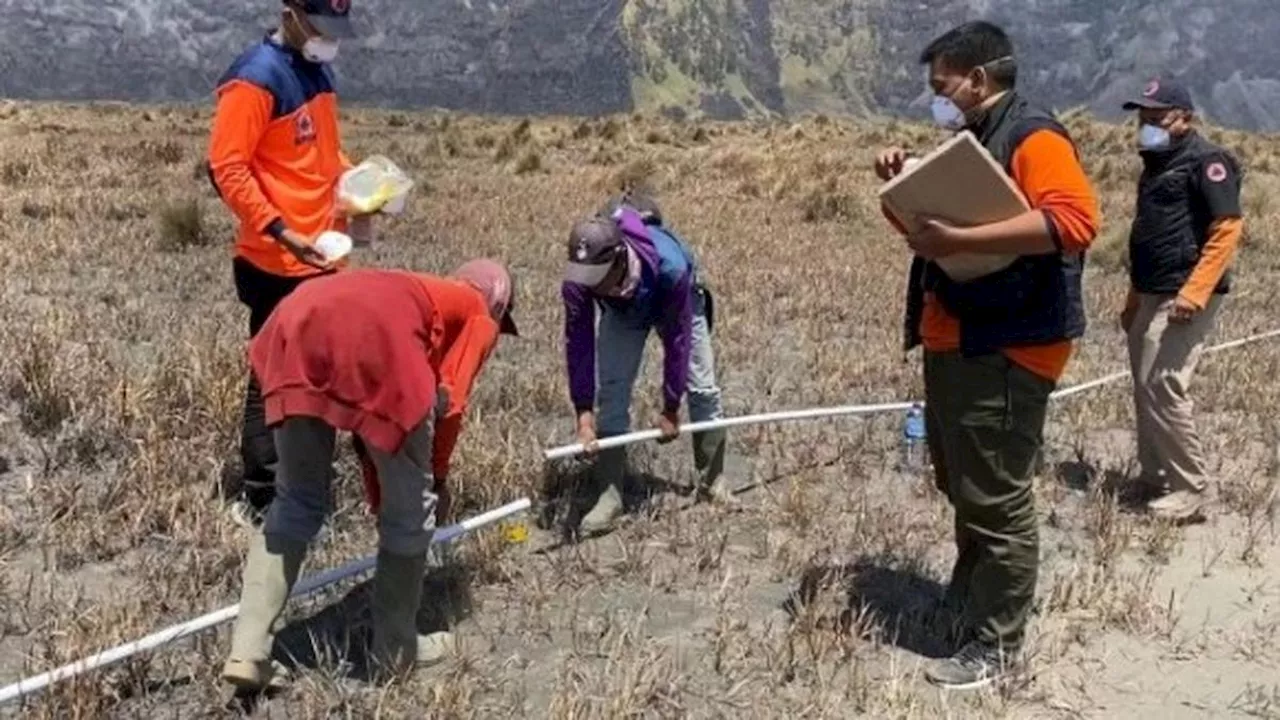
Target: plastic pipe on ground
pixel 642 435
pixel 177 632
pixel 576 449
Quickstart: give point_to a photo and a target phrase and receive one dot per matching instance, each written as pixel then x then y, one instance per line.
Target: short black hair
pixel 973 45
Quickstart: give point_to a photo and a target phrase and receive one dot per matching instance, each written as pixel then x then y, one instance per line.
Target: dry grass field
pixel 121 355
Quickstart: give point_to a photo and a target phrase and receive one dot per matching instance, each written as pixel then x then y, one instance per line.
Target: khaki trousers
pixel 1163 357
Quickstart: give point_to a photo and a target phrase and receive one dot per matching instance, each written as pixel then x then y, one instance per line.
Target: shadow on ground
pixel 1129 492
pixel 882 598
pixel 339 635
pixel 337 638
pixel 568 493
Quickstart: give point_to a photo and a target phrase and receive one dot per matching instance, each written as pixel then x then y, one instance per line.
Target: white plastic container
pixel 334 245
pixel 375 185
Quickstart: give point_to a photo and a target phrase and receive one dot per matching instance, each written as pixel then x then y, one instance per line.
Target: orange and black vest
pixel 1175 209
pixel 1036 300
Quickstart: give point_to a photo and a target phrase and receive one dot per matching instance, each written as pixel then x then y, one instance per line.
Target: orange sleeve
pixel 458 371
pixel 240 118
pixel 1045 166
pixel 1219 249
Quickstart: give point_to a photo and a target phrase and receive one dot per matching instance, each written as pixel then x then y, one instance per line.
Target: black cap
pixel 594 245
pixel 1160 94
pixel 331 18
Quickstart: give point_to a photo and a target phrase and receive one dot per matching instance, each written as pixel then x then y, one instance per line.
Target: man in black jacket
pixel 1185 231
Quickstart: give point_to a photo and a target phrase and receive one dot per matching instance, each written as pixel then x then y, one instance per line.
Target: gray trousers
pixel 619 353
pixel 406 518
pixel 1163 357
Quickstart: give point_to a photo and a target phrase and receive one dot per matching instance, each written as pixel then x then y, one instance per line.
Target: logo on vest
pixel 1152 88
pixel 1216 172
pixel 304 128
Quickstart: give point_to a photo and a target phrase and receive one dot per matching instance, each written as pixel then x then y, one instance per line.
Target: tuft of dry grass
pixel 181 226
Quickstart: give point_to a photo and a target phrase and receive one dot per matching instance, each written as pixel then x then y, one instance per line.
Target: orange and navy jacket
pixel 275 152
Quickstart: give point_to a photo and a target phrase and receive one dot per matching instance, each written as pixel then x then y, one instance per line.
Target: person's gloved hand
pixel 669 424
pixel 302 249
pixel 587 432
pixel 1183 310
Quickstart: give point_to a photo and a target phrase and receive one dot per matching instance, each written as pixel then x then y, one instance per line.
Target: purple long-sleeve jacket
pixel 663 300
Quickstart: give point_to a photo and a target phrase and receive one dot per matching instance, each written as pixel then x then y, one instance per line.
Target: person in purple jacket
pixel 641 276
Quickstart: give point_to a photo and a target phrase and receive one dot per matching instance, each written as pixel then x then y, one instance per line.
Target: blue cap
pixel 1161 94
pixel 331 18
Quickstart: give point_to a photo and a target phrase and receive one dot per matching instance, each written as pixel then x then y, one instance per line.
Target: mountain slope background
pixel 724 59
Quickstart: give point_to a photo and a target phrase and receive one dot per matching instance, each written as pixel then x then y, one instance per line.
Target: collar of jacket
pixel 275 38
pixel 988 120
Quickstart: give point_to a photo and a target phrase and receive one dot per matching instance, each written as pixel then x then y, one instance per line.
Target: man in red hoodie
pixel 391 357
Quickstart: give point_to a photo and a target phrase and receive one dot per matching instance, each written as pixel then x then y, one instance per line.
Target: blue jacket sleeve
pixel 580 344
pixel 677 340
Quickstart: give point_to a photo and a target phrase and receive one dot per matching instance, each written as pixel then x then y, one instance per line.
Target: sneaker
pixel 435 647
pixel 244 514
pixel 975 665
pixel 1178 506
pixel 1137 492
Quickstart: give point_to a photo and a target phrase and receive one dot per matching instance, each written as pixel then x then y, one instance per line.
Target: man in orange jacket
pixel 391 357
pixel 995 346
pixel 275 159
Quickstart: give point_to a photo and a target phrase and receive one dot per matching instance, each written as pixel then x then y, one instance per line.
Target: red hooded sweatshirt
pixel 364 350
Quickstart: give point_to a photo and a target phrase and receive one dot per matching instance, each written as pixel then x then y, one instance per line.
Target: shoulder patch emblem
pixel 1216 172
pixel 304 128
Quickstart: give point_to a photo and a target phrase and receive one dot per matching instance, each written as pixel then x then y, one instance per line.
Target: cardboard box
pixel 961 183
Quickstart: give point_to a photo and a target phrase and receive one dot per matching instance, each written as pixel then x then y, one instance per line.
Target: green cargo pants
pixel 984 420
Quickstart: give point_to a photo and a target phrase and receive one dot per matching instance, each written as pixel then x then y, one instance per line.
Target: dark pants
pixel 260 291
pixel 985 419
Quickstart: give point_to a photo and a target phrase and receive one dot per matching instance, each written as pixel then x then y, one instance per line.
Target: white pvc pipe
pixel 576 449
pixel 305 587
pixel 642 435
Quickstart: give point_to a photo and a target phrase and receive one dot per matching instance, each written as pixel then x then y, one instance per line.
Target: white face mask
pixel 1153 137
pixel 320 50
pixel 946 113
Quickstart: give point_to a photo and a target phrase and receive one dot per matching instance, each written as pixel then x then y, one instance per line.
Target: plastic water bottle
pixel 913 440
